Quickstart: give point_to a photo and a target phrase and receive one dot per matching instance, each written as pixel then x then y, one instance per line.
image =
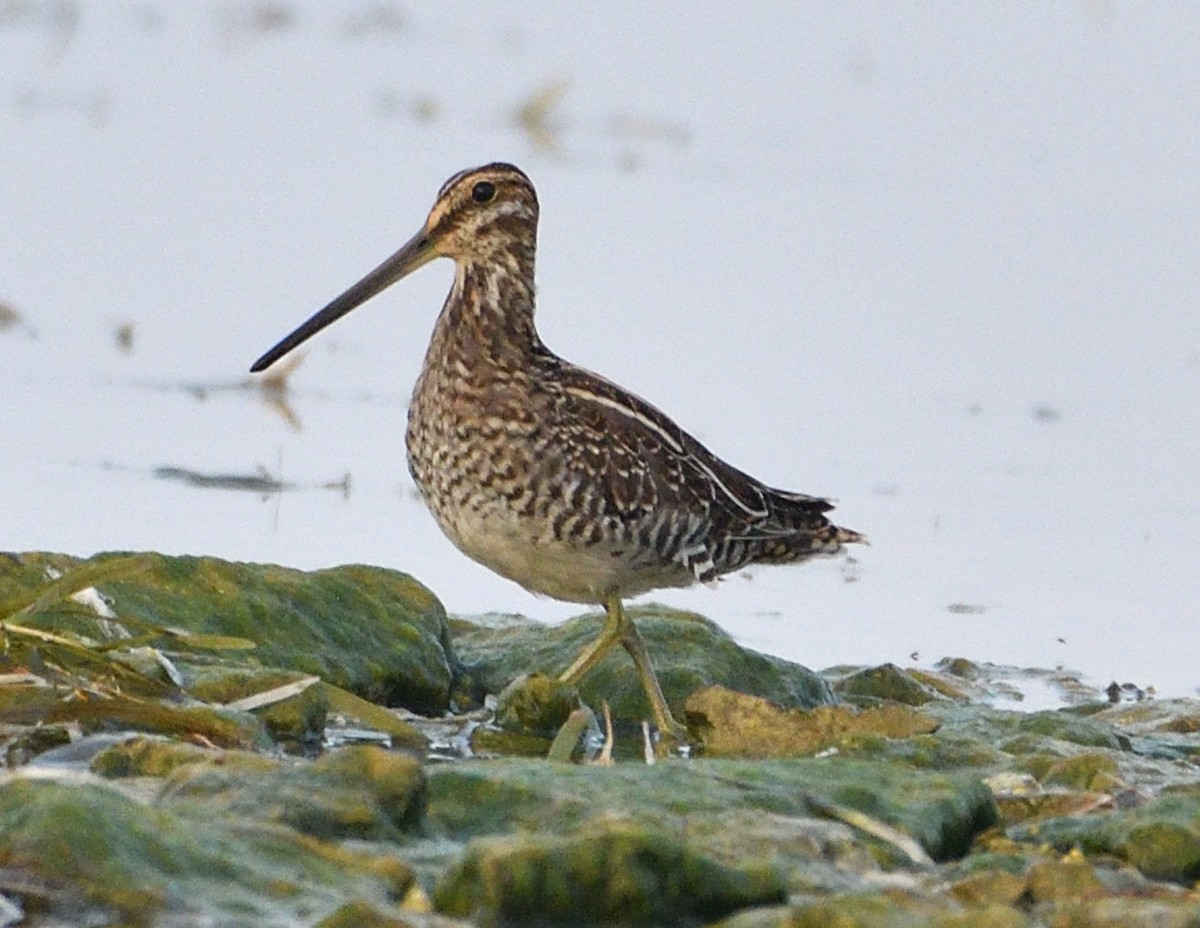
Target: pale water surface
pixel 937 261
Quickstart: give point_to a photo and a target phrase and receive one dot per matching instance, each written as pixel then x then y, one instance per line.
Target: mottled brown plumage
pixel 547 473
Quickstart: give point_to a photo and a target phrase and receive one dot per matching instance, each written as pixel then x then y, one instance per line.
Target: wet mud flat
pixel 193 741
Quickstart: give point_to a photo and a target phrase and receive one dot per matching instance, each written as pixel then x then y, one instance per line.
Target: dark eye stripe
pixel 483 191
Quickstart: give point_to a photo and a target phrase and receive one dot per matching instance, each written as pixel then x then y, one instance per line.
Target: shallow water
pixel 938 264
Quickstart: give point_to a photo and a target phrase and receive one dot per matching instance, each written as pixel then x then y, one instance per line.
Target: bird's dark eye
pixel 483 191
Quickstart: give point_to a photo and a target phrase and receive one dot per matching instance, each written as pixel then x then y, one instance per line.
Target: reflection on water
pixel 273 388
pixel 261 482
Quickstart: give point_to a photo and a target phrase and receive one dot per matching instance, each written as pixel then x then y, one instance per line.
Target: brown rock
pixel 728 723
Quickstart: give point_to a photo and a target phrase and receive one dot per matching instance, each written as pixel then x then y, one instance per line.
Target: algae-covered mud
pixel 190 741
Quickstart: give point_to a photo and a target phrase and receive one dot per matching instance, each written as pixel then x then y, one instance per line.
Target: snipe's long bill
pixel 549 474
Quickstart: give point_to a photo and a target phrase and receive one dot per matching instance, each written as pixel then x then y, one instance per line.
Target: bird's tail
pixel 801 529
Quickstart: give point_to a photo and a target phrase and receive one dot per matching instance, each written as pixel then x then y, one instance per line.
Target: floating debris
pixel 379 18
pixel 95 105
pixel 59 17
pixel 393 104
pixel 12 321
pixel 9 317
pixel 425 109
pixel 261 481
pixel 1046 413
pixel 650 130
pixel 538 118
pixel 123 335
pixel 254 19
pixel 862 66
pixel 966 608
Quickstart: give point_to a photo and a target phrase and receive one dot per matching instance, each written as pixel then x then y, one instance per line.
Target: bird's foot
pixel 671 740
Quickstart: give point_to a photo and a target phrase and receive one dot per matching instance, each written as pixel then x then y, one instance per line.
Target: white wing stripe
pixel 629 414
pixel 618 406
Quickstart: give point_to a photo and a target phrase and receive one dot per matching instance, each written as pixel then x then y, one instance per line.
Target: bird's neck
pixel 488 316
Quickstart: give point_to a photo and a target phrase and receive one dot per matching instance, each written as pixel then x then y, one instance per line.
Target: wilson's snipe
pixel 547 473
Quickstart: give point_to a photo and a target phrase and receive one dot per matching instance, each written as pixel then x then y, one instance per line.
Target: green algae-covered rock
pixel 847 835
pixel 1161 839
pixel 1162 729
pixel 990 886
pixel 1117 912
pixel 217 725
pixel 880 910
pixel 885 682
pixel 942 750
pixel 1057 747
pixel 942 812
pixel 536 704
pixel 896 910
pixel 158 757
pixel 1090 770
pixel 297 719
pixel 376 632
pixel 362 915
pixel 1072 880
pixel 608 873
pixel 1005 891
pixel 1064 726
pixel 1016 807
pixel 688 652
pixel 88 855
pixel 359 791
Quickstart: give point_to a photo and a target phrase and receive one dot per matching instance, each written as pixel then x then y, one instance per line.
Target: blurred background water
pixel 937 261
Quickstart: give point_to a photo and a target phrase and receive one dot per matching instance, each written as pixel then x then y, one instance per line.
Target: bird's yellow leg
pixel 631 639
pixel 618 627
pixel 590 656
